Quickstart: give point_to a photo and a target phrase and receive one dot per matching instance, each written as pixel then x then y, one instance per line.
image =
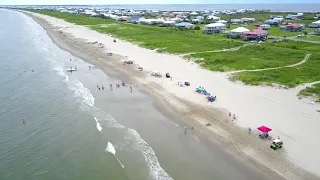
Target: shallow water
pixel 75 131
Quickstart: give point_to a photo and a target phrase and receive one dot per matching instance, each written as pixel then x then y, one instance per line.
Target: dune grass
pixel 298 45
pixel 172 40
pixel 249 57
pixel 289 77
pixel 313 91
pixel 78 19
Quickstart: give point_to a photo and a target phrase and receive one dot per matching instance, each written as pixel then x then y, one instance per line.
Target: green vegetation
pixel 249 57
pixel 313 91
pixel 75 18
pixel 312 38
pixel 296 45
pixel 275 31
pixel 290 77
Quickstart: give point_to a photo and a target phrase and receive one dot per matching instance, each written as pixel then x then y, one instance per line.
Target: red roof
pixel 293 25
pixel 256 32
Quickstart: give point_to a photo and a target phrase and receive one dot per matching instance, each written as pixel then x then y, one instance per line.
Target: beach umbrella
pixel 264 129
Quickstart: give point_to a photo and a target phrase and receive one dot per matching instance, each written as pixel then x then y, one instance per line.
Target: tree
pixel 305 33
pixel 197 28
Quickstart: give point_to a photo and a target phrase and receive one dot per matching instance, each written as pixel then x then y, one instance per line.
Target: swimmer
pixel 99 89
pixel 23 121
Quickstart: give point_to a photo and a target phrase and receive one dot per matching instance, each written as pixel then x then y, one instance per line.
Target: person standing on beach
pixel 249 130
pixel 185 129
pixel 131 89
pixel 111 87
pixel 90 68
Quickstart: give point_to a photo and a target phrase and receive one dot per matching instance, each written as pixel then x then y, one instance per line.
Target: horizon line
pixel 151 4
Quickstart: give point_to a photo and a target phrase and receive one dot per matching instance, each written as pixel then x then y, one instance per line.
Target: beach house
pixel 237 32
pixel 213 18
pixel 257 35
pixel 315 24
pixel 292 27
pixel 214 28
pixel 185 25
pixel 265 26
pixel 272 22
pixel 134 19
pixel 248 20
pixel 236 21
pixel 222 21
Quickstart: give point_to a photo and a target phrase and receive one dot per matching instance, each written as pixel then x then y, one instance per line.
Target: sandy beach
pixel 294 120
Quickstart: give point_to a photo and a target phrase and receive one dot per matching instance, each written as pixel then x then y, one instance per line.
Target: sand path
pixel 305 59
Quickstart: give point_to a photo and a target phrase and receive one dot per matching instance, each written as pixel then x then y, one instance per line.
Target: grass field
pixel 313 91
pixel 289 77
pixel 75 18
pixel 295 45
pixel 275 31
pixel 312 38
pixel 249 57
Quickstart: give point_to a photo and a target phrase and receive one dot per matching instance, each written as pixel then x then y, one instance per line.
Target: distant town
pixel 212 22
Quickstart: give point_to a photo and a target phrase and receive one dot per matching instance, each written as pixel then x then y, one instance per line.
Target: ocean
pixel 72 130
pixel 279 7
pixel 275 7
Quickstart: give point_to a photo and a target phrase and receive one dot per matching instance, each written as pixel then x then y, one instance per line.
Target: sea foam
pixel 155 170
pixel 110 148
pixel 98 124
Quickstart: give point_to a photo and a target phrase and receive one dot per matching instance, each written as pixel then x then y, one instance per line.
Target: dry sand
pixel 295 121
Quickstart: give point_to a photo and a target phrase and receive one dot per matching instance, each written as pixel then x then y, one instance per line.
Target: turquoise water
pixel 74 131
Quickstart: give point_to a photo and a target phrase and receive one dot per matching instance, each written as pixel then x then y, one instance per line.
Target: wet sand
pixel 229 135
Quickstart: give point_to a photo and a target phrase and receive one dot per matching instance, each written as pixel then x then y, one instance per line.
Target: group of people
pixel 111 87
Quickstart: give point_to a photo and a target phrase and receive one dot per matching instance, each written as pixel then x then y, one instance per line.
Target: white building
pixel 222 21
pixel 214 18
pixel 248 19
pixel 215 28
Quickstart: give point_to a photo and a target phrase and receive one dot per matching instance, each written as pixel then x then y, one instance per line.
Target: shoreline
pixel 195 115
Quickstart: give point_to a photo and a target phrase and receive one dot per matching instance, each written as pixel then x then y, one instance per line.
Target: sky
pixel 101 2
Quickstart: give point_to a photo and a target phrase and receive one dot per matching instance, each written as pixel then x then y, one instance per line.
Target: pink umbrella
pixel 264 129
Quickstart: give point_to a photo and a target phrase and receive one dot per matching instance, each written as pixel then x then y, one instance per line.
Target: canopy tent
pixel 240 30
pixel 264 129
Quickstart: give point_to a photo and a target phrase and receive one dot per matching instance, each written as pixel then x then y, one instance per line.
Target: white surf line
pixel 98 124
pixel 110 148
pixel 306 58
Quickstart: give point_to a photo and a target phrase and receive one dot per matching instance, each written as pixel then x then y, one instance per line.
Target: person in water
pixel 102 88
pixel 99 89
pixel 23 121
pixel 131 89
pixel 89 67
